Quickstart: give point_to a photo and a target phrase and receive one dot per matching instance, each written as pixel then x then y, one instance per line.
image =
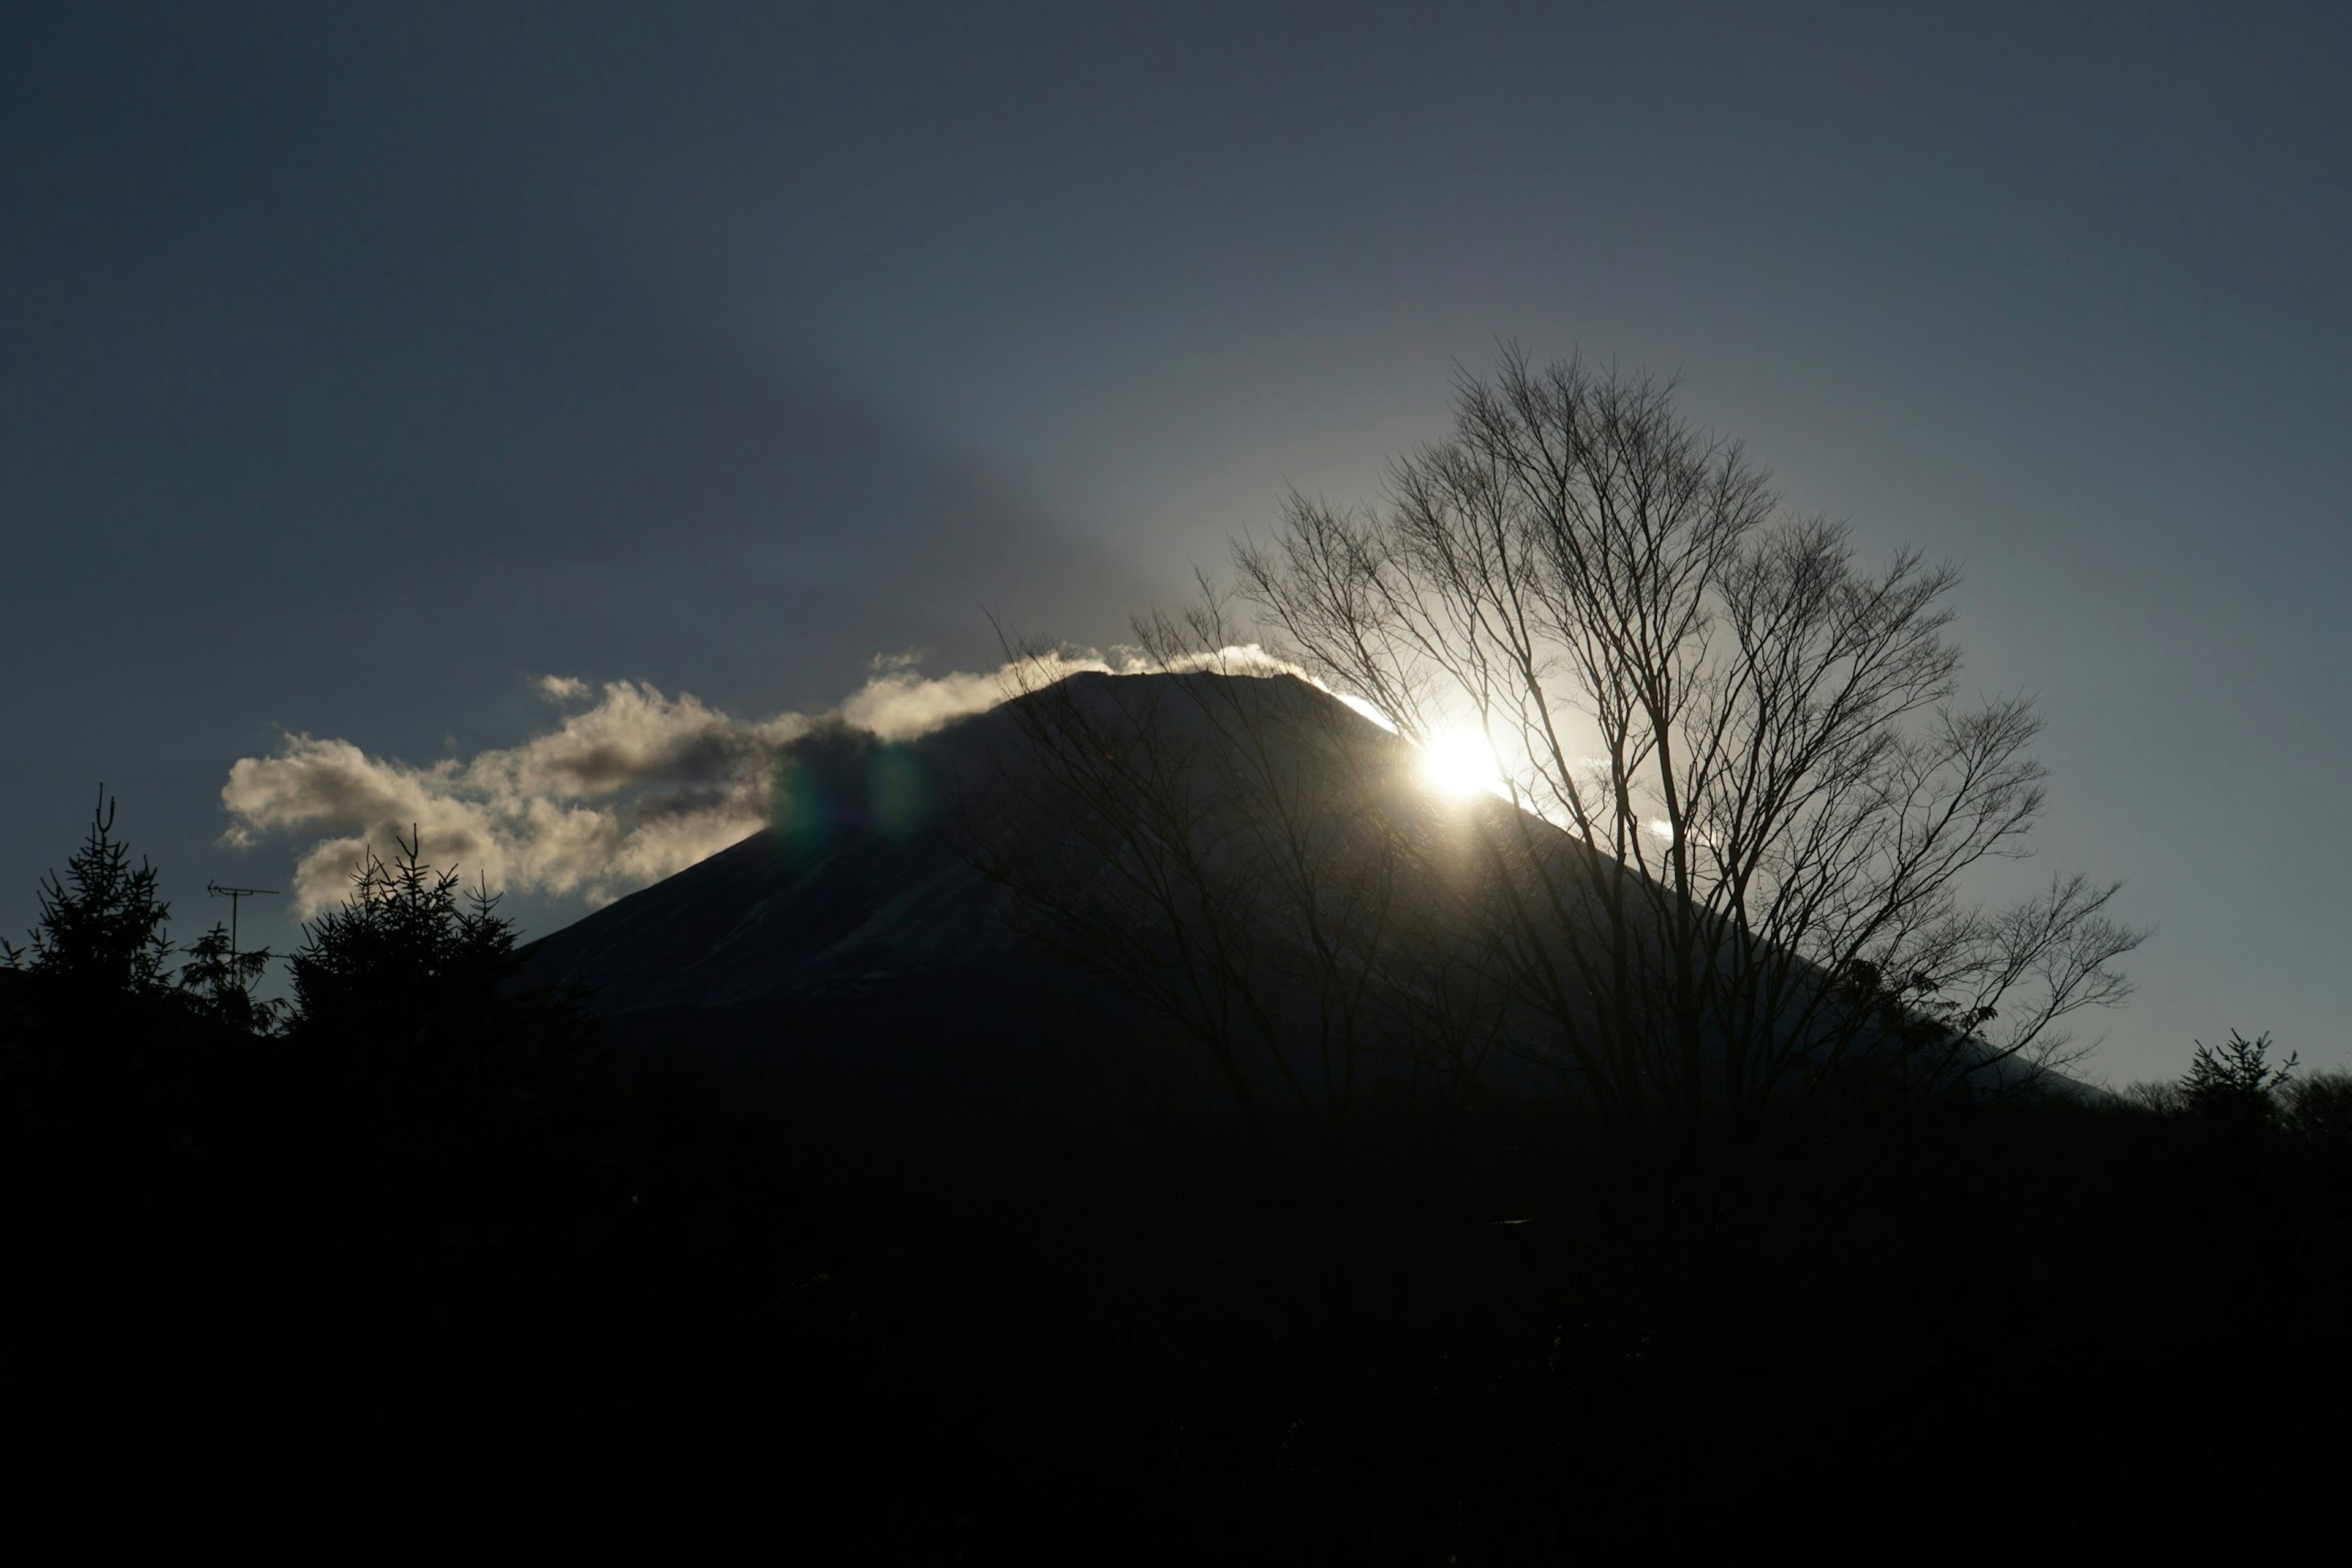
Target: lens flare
pixel 1459 763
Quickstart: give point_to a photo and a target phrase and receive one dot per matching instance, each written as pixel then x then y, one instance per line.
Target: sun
pixel 1459 763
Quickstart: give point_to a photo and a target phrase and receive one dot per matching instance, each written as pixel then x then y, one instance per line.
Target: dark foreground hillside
pixel 261 1290
pixel 874 1247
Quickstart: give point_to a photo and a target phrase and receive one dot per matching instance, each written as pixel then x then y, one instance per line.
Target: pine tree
pixel 219 980
pixel 408 955
pixel 101 927
pixel 2235 1080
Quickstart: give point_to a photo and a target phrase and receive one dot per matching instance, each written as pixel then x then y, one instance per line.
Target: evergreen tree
pixel 2235 1080
pixel 409 954
pixel 101 927
pixel 219 981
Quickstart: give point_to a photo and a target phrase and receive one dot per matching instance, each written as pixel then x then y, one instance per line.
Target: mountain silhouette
pixel 870 940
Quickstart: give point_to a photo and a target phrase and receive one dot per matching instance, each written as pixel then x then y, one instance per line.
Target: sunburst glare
pixel 1459 763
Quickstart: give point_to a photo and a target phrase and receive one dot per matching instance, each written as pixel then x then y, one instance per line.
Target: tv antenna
pixel 236 896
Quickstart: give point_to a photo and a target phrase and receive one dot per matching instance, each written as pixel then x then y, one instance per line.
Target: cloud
pixel 899 705
pixel 618 794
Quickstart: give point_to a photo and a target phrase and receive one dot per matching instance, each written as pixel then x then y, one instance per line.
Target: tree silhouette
pixel 101 927
pixel 1752 741
pixel 2320 1106
pixel 410 954
pixel 219 981
pixel 2236 1081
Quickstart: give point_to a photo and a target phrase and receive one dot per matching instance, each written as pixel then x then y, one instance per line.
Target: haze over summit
pixel 360 372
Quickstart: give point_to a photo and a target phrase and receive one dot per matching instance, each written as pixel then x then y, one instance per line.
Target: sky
pixel 518 415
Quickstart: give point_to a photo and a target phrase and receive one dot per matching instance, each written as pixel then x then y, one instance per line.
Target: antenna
pixel 236 896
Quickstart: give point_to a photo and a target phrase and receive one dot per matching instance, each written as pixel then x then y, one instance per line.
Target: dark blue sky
pixel 357 367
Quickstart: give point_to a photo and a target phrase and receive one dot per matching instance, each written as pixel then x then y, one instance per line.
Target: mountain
pixel 1115 890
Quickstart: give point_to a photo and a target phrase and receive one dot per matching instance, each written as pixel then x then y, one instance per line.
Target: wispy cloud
pixel 633 787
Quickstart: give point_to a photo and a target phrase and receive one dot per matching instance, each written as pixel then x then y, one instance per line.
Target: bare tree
pixel 1749 797
pixel 1227 844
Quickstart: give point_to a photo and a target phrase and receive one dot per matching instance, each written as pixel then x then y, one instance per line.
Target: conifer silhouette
pixel 101 926
pixel 219 980
pixel 410 951
pixel 2235 1080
